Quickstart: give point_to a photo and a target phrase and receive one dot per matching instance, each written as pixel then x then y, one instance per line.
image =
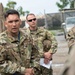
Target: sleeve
pixel 35 58
pixel 7 66
pixel 70 37
pixel 35 63
pixel 69 66
pixel 49 36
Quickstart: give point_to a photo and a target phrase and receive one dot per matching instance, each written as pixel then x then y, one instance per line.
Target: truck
pixel 67 20
pixel 68 24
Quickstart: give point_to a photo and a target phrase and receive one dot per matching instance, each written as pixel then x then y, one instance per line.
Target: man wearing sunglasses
pixel 45 44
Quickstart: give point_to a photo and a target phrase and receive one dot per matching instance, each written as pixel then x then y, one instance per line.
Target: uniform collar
pixel 11 38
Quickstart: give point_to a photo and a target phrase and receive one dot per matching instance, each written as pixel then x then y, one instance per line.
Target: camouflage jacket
pixel 71 37
pixel 69 67
pixel 15 53
pixel 39 36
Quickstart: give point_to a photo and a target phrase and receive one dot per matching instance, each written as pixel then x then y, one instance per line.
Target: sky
pixel 36 6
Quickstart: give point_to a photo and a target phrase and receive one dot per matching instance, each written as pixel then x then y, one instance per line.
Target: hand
pixel 47 57
pixel 46 61
pixel 29 71
pixel 28 74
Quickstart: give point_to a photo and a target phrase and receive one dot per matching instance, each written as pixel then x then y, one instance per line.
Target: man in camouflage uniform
pixel 71 38
pixel 45 45
pixel 69 67
pixel 15 47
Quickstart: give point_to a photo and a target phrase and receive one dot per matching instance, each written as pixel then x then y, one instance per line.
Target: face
pixel 12 23
pixel 31 20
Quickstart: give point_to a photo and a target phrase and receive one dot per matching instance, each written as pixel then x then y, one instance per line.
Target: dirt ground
pixel 60 56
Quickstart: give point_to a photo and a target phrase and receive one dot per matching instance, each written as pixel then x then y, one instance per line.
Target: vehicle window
pixel 71 21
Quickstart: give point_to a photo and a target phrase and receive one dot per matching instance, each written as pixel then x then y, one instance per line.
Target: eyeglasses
pixel 32 20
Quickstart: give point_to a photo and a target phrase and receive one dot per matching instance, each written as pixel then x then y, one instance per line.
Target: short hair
pixel 29 14
pixel 11 12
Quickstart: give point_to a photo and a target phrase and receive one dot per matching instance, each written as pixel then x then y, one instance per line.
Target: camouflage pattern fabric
pixel 71 38
pixel 69 67
pixel 42 35
pixel 46 45
pixel 15 53
pixel 45 71
pixel 43 41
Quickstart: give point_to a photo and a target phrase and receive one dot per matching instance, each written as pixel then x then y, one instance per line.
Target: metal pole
pixel 45 20
pixel 74 3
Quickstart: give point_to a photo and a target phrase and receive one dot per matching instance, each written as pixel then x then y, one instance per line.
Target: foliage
pixel 62 4
pixel 12 5
pixel 53 32
pixel 72 3
pixel 20 10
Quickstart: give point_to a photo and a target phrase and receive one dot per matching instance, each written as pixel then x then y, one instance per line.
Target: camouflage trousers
pixel 17 73
pixel 45 71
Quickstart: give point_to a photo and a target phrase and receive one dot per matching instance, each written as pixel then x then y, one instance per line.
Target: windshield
pixel 70 21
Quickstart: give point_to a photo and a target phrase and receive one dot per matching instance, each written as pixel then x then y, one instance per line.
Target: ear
pixel 26 21
pixel 20 22
pixel 5 23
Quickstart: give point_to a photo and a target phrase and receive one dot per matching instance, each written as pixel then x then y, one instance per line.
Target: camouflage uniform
pixel 71 38
pixel 15 53
pixel 69 67
pixel 43 41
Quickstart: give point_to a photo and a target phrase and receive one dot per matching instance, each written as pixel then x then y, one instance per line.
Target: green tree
pixel 72 3
pixel 20 10
pixel 62 4
pixel 12 5
pixel 27 12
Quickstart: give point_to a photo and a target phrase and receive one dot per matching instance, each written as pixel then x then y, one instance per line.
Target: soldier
pixel 71 37
pixel 69 67
pixel 45 44
pixel 15 47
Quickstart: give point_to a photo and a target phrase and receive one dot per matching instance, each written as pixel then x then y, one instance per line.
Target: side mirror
pixel 63 24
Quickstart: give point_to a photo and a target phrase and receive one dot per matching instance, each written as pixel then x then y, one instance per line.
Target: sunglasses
pixel 32 20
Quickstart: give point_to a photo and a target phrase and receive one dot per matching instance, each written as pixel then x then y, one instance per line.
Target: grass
pixel 54 32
